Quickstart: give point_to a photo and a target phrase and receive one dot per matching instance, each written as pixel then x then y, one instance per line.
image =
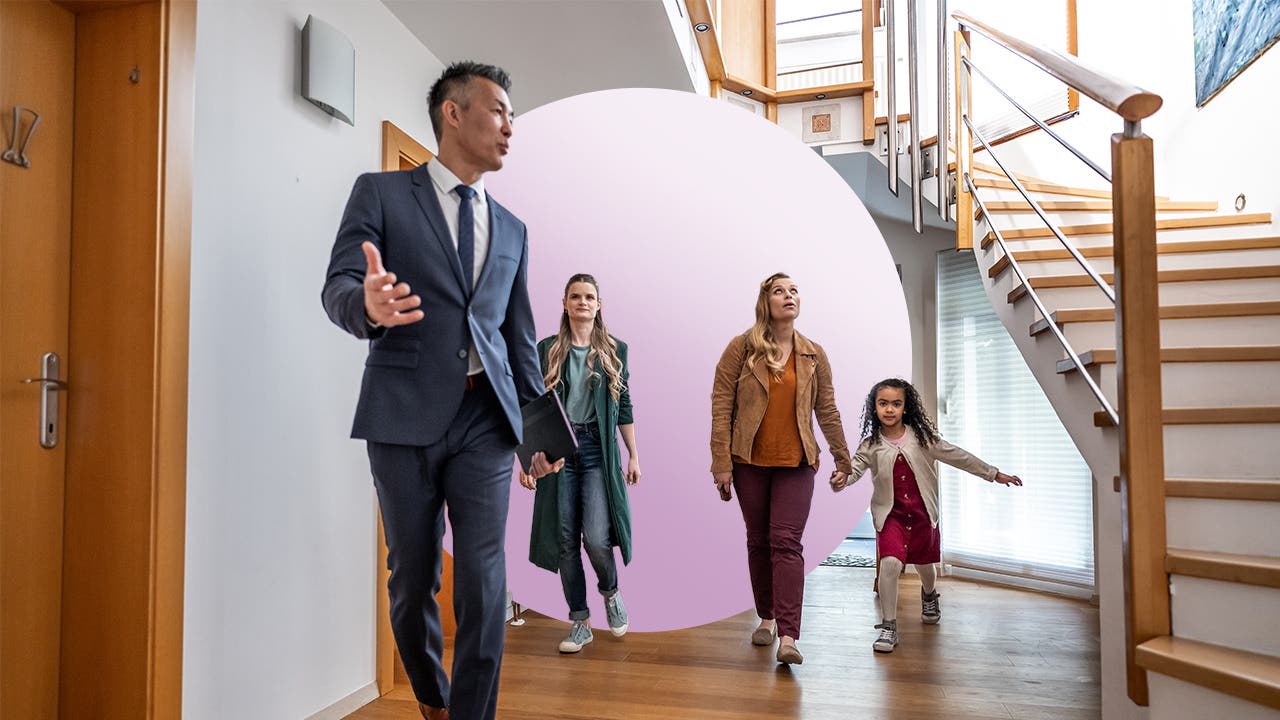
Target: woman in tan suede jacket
pixel 769 384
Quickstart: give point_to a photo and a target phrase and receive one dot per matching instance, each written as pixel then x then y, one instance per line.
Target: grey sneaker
pixel 579 636
pixel 888 639
pixel 616 613
pixel 930 613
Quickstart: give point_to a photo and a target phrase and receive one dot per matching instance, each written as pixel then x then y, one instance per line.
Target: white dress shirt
pixel 444 181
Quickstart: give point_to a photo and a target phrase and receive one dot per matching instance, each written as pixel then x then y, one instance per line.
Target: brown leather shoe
pixel 789 654
pixel 764 636
pixel 433 713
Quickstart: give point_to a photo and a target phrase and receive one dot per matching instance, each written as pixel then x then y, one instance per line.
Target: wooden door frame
pixel 144 606
pixel 399 152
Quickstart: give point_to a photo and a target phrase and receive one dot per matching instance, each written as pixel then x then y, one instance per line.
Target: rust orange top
pixel 777 442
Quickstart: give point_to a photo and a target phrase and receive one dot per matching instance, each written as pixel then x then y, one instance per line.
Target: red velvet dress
pixel 907 533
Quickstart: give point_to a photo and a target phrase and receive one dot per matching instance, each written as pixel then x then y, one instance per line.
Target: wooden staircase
pixel 1219 290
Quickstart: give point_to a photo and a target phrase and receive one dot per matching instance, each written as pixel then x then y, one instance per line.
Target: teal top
pixel 580 405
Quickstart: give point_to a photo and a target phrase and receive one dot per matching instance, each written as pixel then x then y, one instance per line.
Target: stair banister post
pixel 1138 387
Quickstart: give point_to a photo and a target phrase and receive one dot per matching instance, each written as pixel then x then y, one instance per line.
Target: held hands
pixel 723 481
pixel 1007 480
pixel 839 480
pixel 538 466
pixel 386 303
pixel 633 471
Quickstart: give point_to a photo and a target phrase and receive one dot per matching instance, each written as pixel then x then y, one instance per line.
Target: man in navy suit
pixel 431 270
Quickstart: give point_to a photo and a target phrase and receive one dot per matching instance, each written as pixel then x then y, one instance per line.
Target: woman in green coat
pixel 585 504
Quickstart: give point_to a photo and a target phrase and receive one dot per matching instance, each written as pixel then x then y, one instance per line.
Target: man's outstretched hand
pixel 387 303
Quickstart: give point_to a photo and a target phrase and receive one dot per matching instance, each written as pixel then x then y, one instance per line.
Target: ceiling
pixel 555 49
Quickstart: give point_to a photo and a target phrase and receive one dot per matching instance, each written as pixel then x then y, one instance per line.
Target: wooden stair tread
pixel 1223 489
pixel 1229 353
pixel 1167 248
pixel 1228 567
pixel 1022 206
pixel 1249 676
pixel 1207 416
pixel 1244 272
pixel 1182 223
pixel 1040 186
pixel 1167 312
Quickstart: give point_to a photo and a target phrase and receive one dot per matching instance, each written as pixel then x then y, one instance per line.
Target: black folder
pixel 546 429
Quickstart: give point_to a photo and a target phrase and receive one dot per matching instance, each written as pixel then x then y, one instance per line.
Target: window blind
pixel 990 404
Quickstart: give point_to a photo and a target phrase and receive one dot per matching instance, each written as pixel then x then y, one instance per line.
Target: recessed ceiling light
pixel 821 96
pixel 702 27
pixel 748 91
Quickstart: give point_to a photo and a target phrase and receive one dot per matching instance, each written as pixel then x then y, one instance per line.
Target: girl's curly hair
pixel 913 413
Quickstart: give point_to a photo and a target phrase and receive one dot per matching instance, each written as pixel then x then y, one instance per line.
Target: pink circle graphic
pixel 680 205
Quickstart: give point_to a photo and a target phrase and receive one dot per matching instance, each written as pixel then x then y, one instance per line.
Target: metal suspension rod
pixel 913 101
pixel 891 93
pixel 1106 289
pixel 944 116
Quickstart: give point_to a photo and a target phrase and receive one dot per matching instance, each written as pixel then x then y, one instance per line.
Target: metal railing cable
pixel 1044 312
pixel 1071 148
pixel 1093 274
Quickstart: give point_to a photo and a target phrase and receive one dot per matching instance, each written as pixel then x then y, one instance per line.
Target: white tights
pixel 890 570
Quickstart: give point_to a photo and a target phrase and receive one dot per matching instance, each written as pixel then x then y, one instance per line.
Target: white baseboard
pixel 1070 591
pixel 348 704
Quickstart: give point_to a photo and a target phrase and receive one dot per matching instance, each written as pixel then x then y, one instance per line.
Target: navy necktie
pixel 466 234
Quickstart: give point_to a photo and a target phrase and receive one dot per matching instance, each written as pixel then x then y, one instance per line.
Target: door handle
pixel 49 387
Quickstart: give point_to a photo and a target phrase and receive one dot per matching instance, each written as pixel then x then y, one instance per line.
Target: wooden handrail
pixel 1128 101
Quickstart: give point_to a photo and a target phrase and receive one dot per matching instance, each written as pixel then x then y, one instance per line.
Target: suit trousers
pixel 469 472
pixel 775 507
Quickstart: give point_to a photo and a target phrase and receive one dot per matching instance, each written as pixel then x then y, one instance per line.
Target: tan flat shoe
pixel 764 636
pixel 789 655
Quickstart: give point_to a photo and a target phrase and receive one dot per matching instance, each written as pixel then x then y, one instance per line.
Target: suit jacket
pixel 544 538
pixel 415 374
pixel 740 396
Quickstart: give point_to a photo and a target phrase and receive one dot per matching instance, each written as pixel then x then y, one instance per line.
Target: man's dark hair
pixel 452 85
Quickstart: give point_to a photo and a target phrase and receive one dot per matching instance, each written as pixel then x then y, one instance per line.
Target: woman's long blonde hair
pixel 760 342
pixel 604 349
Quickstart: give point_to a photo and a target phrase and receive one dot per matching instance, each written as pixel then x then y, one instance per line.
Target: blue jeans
pixel 584 521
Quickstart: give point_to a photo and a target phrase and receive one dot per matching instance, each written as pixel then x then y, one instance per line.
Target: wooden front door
pixel 94 267
pixel 37 79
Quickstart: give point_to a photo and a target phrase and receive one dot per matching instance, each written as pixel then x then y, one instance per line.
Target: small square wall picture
pixel 1229 35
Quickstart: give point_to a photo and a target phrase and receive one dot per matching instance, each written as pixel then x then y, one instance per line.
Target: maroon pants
pixel 775 506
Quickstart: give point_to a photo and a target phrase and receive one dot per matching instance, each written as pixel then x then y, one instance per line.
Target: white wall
pixel 280 566
pixel 1211 153
pixel 918 256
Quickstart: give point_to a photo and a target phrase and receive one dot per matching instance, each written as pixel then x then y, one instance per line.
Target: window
pixel 819 42
pixel 990 404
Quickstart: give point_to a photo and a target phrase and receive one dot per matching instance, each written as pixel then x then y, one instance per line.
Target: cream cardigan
pixel 879 458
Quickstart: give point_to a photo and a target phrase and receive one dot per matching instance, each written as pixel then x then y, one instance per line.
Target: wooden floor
pixel 998 653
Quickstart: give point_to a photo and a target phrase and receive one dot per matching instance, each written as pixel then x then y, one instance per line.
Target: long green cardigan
pixel 544 541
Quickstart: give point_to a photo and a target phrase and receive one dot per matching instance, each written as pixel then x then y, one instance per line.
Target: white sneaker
pixel 888 639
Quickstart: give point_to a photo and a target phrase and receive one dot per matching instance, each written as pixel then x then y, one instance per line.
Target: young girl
pixel 904 497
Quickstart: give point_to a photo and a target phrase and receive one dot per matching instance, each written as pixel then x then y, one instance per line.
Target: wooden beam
pixel 708 42
pixel 1139 400
pixel 829 92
